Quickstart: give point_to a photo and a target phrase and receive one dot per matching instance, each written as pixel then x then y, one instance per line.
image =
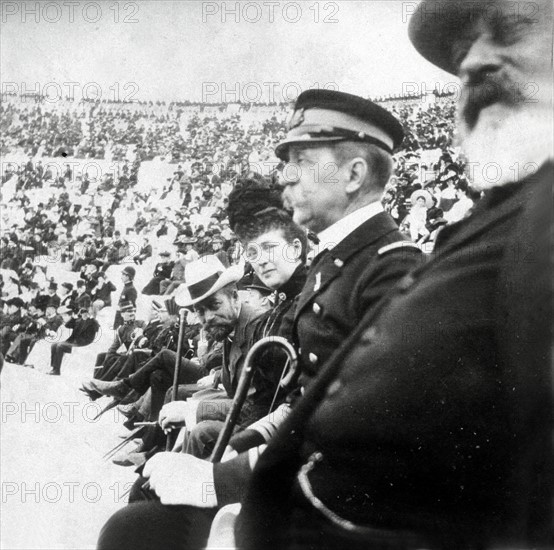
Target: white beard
pixel 506 149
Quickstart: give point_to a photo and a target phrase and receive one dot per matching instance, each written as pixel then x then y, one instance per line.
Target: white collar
pixel 337 232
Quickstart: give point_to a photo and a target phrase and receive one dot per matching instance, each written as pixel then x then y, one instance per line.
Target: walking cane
pixel 241 394
pixel 244 385
pixel 174 390
pixel 175 387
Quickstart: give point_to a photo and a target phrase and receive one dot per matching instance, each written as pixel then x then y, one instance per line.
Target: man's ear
pixel 357 173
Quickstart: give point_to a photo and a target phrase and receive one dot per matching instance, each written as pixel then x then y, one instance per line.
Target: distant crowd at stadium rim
pixel 246 105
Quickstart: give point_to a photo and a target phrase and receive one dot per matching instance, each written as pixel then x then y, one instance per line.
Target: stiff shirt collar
pixel 337 232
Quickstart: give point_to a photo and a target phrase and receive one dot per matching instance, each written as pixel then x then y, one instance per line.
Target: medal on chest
pixel 317 285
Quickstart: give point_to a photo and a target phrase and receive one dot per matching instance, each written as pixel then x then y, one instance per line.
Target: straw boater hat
pixel 422 193
pixel 205 277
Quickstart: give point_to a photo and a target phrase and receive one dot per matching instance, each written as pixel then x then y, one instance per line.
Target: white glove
pixel 181 479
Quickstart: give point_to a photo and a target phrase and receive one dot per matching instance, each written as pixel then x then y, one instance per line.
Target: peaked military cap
pixel 128 307
pixel 327 116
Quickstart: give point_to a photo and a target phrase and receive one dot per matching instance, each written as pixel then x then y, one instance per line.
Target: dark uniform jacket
pixel 124 335
pixel 438 420
pixel 344 283
pixel 128 294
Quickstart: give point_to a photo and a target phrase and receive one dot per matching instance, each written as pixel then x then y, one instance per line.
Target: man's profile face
pixel 218 314
pixel 128 315
pixel 314 187
pixel 504 60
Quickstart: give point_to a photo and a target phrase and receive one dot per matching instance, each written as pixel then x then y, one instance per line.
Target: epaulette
pixel 394 246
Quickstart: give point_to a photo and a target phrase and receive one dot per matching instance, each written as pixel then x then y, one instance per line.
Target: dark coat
pixel 237 349
pixel 124 336
pixel 161 271
pixel 82 301
pixel 128 294
pixel 83 332
pixel 269 363
pixel 439 419
pixel 104 293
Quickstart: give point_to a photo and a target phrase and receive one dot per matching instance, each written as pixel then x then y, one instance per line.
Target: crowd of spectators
pixel 86 223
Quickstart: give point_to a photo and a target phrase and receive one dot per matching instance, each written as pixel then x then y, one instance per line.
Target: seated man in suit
pixel 83 333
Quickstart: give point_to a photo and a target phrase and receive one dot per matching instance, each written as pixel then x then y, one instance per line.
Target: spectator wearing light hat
pixel 211 290
pixel 417 218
